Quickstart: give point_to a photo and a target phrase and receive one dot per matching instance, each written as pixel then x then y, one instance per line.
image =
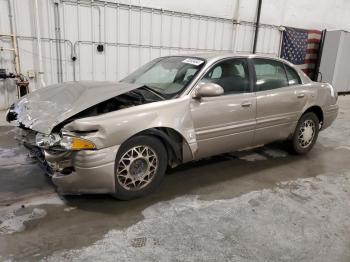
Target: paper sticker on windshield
pixel 193 61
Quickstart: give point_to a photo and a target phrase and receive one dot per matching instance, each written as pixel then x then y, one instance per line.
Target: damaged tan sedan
pixel 119 138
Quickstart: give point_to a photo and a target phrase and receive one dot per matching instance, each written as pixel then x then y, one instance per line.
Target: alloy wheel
pixel 306 133
pixel 137 168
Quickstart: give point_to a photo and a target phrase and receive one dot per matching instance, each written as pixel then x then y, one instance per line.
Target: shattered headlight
pixel 64 142
pixel 46 141
pixel 76 143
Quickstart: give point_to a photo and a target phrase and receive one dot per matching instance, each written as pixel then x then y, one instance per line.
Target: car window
pixel 231 75
pixel 167 76
pixel 292 75
pixel 158 74
pixel 190 72
pixel 217 71
pixel 270 74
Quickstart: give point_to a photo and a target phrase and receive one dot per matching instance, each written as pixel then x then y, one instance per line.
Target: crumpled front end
pixel 46 108
pixel 78 147
pixel 74 172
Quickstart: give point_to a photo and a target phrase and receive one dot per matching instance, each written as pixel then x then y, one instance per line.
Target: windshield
pixel 167 76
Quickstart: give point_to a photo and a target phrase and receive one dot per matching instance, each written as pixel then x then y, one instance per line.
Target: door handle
pixel 246 104
pixel 301 95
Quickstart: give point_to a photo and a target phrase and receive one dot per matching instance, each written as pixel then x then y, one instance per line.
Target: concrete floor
pixel 263 205
pixel 3 118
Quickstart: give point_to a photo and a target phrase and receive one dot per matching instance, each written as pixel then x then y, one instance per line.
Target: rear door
pixel 280 99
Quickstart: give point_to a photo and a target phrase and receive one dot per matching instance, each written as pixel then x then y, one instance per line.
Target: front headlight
pixel 65 142
pixel 46 141
pixel 75 143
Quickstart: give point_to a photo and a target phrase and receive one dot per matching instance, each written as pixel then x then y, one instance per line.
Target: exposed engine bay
pixel 135 97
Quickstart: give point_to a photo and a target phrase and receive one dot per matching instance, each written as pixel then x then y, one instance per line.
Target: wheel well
pixel 317 111
pixel 172 140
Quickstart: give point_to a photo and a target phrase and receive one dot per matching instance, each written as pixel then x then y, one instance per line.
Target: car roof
pixel 212 57
pixel 224 54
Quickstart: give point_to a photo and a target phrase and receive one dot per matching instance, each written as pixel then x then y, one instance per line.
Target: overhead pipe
pixel 6 49
pixel 105 35
pixel 257 26
pixel 73 51
pixel 149 10
pixel 38 36
pixel 99 23
pixel 58 41
pixel 48 39
pixel 14 37
pixel 21 83
pixel 92 38
pixel 51 48
pixel 236 14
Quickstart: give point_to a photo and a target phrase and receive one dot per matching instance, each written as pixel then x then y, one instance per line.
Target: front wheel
pixel 305 134
pixel 140 167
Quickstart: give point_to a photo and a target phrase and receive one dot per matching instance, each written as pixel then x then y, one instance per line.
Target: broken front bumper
pixel 75 172
pixel 93 172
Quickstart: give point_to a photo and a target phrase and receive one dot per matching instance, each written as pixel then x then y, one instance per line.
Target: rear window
pixel 270 74
pixel 292 75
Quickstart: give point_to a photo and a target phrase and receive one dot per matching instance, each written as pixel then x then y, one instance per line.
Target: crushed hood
pixel 45 108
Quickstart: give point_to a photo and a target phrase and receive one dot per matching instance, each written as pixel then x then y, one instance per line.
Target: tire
pixel 140 166
pixel 305 134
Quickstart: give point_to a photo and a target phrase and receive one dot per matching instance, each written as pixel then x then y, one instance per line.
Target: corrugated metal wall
pixel 131 35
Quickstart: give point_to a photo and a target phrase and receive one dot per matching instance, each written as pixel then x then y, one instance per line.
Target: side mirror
pixel 207 89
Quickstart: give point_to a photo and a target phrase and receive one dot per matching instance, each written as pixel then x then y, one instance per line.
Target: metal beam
pixel 257 26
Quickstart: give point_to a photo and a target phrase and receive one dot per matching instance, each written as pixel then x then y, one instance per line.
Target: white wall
pixel 150 35
pixel 313 14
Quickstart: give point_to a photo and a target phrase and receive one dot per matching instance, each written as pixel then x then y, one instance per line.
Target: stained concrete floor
pixel 262 205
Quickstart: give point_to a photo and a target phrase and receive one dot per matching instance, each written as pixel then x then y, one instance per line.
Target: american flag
pixel 300 47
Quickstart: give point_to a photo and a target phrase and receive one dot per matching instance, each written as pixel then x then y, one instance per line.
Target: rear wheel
pixel 305 134
pixel 140 167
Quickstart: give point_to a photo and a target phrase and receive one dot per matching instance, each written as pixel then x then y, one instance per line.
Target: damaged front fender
pixel 116 127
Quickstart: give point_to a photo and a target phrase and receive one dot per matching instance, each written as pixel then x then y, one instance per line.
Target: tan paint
pixel 208 125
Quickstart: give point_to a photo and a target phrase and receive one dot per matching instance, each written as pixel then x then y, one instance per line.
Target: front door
pixel 225 123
